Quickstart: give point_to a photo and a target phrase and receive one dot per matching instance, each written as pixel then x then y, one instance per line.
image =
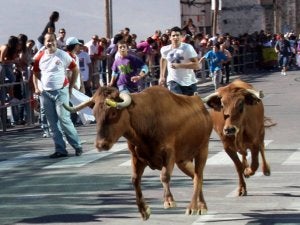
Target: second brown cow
pixel 238 118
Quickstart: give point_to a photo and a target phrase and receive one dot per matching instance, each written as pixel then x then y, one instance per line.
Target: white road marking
pixel 293 159
pixel 257 174
pixel 219 159
pixel 204 218
pixel 267 142
pixel 127 163
pixel 19 160
pixel 222 158
pixel 87 157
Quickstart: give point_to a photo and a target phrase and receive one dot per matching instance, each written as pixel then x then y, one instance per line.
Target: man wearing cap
pixel 72 47
pixel 55 89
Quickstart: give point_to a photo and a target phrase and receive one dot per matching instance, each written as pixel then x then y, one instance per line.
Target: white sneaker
pixel 46 135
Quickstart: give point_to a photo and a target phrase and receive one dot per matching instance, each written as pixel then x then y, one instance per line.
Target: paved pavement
pixel 95 188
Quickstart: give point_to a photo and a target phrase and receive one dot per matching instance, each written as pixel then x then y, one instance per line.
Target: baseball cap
pixel 72 41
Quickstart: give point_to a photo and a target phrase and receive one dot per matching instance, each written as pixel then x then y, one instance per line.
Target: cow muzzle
pixel 230 130
pixel 103 145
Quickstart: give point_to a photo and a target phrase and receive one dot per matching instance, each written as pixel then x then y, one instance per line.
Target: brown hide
pixel 236 108
pixel 161 128
pixel 238 118
pixel 157 120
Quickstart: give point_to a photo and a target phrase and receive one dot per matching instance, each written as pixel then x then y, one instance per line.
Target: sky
pixel 84 18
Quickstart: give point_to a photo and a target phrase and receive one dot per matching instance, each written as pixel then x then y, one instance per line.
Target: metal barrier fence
pixel 240 63
pixel 7 106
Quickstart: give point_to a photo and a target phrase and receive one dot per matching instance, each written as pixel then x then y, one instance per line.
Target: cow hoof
pixel 146 214
pixel 248 172
pixel 242 192
pixel 195 211
pixel 267 173
pixel 246 175
pixel 168 205
pixel 190 212
pixel 266 170
pixel 203 211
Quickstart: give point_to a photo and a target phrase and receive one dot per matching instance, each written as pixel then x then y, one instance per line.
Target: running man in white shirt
pixel 181 60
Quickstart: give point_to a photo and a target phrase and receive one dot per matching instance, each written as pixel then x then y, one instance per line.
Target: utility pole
pixel 108 18
pixel 276 19
pixel 215 17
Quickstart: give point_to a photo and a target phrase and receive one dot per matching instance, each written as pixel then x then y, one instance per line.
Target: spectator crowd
pixel 96 57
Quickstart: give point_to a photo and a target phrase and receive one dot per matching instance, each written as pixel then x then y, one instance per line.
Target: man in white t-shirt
pixel 55 88
pixel 85 66
pixel 93 50
pixel 180 59
pixel 61 43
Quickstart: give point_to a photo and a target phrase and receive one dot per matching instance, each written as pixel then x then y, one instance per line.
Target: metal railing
pixel 240 63
pixel 5 105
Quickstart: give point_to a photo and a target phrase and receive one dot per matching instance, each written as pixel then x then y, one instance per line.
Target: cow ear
pixel 215 103
pixel 251 99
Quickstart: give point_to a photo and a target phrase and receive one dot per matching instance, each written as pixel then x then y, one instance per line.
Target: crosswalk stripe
pixel 127 163
pixel 293 159
pixel 233 193
pixel 220 158
pixel 87 157
pixel 19 160
pixel 204 218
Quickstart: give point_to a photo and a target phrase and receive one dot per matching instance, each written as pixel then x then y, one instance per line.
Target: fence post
pixel 2 98
pixel 245 59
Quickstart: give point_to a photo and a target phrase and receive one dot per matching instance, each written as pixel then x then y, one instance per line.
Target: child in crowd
pixel 215 60
pixel 127 70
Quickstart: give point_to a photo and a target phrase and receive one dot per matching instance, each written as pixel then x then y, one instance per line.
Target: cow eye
pixel 112 113
pixel 241 107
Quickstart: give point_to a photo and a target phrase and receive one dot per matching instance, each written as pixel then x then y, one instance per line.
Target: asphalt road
pixel 96 187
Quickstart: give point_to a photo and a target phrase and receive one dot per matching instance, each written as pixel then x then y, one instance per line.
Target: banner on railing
pixel 86 115
pixel 269 55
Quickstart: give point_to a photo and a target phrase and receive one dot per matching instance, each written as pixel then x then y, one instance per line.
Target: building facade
pixel 243 16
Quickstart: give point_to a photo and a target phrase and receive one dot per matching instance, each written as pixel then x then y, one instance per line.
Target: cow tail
pixel 268 122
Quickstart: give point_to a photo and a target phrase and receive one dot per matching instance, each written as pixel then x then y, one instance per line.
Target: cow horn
pixel 78 107
pixel 257 94
pixel 120 105
pixel 206 99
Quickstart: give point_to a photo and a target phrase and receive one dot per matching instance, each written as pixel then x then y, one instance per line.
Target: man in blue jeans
pixel 215 60
pixel 284 51
pixel 49 68
pixel 181 60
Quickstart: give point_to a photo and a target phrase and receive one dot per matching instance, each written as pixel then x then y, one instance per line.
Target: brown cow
pixel 161 129
pixel 238 118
